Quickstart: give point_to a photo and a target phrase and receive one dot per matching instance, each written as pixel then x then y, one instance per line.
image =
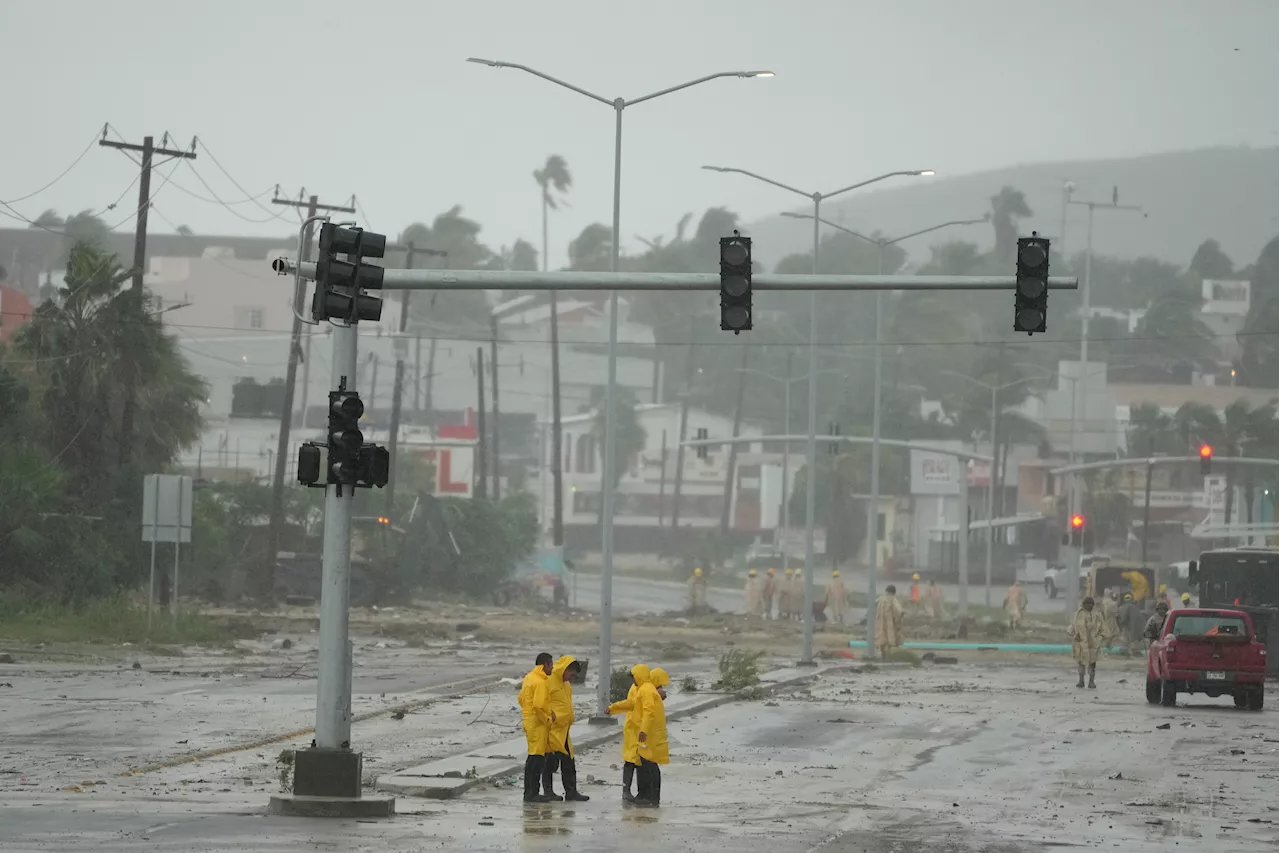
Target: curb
pixel 449 786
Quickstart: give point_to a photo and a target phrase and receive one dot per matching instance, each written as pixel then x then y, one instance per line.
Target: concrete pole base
pixel 813 663
pixel 299 805
pixel 602 720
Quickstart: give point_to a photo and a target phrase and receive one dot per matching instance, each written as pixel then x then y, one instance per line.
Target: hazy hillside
pixel 1226 193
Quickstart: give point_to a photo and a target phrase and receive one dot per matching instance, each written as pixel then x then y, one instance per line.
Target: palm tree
pixel 628 435
pixel 555 181
pixel 1241 430
pixel 1007 206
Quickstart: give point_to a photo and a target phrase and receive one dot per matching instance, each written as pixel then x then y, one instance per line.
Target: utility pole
pixel 684 427
pixel 401 349
pixel 481 473
pixel 497 418
pixel 148 150
pixel 726 511
pixel 266 577
pixel 1146 501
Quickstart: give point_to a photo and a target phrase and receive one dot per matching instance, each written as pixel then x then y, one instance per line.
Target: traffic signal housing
pixel 309 465
pixel 344 438
pixel 340 283
pixel 833 448
pixel 373 467
pixel 1031 295
pixel 1076 536
pixel 735 283
pixel 1206 459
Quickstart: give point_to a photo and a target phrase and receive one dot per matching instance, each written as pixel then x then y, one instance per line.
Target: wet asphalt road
pixel 955 759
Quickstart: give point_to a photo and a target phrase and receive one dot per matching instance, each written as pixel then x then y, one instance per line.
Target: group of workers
pixel 546 710
pixel 769 597
pixel 1119 619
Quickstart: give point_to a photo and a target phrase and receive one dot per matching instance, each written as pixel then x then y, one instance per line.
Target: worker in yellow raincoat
pixel 695 599
pixel 653 738
pixel 631 729
pixel 836 598
pixel 1087 637
pixel 888 621
pixel 559 747
pixel 536 718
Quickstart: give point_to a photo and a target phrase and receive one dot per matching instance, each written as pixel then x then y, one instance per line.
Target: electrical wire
pixel 205 146
pixel 64 173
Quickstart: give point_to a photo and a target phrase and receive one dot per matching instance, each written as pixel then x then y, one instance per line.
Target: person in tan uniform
pixel 888 621
pixel 934 607
pixel 752 594
pixel 1015 604
pixel 695 599
pixel 836 598
pixel 1087 636
pixel 786 598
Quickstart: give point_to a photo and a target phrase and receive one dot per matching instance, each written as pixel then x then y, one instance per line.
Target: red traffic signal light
pixel 1077 521
pixel 1206 451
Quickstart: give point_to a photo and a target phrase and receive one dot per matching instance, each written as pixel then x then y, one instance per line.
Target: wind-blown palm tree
pixel 555 181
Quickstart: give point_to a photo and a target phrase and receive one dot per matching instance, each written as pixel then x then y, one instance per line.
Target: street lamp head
pixel 791 215
pixel 716 169
pixel 756 74
pixel 925 172
pixel 488 62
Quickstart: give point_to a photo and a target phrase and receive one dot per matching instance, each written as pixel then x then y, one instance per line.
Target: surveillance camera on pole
pixel 1031 306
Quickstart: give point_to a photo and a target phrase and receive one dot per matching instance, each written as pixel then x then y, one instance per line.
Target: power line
pixel 63 174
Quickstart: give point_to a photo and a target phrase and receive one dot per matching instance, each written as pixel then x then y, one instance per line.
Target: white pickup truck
pixel 1055 577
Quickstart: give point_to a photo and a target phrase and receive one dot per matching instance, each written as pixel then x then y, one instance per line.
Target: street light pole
pixel 1077 404
pixel 873 503
pixel 607 487
pixel 806 657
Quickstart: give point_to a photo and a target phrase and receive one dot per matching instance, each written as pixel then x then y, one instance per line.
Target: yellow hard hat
pixel 751 573
pixel 915 577
pixel 1186 596
pixel 697 573
pixel 835 573
pixel 788 572
pixel 771 571
pixel 1163 587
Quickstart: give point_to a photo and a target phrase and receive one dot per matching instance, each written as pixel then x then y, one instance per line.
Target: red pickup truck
pixel 1208 651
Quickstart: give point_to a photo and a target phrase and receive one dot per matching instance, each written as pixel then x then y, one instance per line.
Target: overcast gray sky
pixel 375 98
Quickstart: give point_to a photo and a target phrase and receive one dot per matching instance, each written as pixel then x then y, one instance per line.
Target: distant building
pixel 15 309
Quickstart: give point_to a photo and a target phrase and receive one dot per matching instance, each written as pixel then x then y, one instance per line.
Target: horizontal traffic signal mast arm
pixel 1141 461
pixel 421 279
pixel 838 439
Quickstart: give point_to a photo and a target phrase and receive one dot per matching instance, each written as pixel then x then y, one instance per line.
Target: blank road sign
pixel 166 508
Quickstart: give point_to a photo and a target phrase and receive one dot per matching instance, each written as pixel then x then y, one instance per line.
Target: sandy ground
pixel 982 756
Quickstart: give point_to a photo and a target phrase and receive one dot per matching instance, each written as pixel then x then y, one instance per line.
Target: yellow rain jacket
pixel 535 710
pixel 631 725
pixel 560 694
pixel 653 718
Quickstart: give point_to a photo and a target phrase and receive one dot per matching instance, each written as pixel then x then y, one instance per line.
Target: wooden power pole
pixel 266 577
pixel 148 151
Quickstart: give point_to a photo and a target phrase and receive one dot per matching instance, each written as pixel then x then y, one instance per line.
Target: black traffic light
pixel 702 449
pixel 1031 298
pixel 373 467
pixel 735 283
pixel 339 283
pixel 345 439
pixel 833 448
pixel 1206 460
pixel 309 465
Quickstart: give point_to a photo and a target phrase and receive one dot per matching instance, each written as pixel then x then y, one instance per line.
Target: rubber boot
pixel 569 776
pixel 628 774
pixel 1080 682
pixel 554 759
pixel 1092 668
pixel 532 777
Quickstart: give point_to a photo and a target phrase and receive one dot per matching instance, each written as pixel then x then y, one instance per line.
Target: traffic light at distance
pixel 702 449
pixel 1077 535
pixel 1031 295
pixel 339 283
pixel 344 439
pixel 735 283
pixel 1206 459
pixel 833 447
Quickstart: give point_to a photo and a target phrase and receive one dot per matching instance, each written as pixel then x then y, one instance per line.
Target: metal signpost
pixel 331 703
pixel 166 517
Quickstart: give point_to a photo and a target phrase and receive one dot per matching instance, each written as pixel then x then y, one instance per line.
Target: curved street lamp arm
pixel 760 178
pixel 913 172
pixel 937 228
pixel 830 224
pixel 715 76
pixel 547 77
